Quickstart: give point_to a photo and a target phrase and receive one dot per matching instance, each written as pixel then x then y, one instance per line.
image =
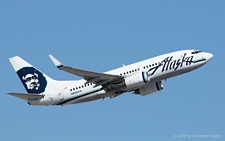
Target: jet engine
pixel 149 88
pixel 137 80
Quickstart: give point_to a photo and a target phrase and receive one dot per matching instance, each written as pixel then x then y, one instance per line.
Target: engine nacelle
pixel 150 88
pixel 136 80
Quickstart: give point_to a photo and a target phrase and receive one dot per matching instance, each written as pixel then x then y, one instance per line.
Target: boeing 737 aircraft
pixel 144 77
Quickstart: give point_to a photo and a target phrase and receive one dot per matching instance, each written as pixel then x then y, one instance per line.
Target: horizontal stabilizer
pixel 26 96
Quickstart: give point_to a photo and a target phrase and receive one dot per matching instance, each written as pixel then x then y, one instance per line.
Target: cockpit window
pixel 195 52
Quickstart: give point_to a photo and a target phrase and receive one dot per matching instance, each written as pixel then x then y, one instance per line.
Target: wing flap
pixel 26 96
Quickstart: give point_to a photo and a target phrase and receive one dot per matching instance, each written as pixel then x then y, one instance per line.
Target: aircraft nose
pixel 208 56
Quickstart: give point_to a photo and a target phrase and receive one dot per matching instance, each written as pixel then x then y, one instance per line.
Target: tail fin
pixel 33 80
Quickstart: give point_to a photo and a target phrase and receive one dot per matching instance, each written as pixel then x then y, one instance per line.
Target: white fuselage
pixel 159 68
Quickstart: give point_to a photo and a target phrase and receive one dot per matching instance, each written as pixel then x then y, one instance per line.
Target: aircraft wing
pixel 91 77
pixel 26 96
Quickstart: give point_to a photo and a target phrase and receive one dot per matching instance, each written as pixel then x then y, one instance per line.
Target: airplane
pixel 143 78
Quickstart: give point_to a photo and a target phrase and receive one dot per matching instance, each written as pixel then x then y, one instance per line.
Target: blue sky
pixel 103 35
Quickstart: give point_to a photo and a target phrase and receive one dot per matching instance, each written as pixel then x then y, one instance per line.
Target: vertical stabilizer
pixel 33 80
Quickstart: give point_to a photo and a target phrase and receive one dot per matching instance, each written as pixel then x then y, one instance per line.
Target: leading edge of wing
pixel 91 77
pixel 26 96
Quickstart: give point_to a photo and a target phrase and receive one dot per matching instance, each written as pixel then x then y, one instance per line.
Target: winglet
pixel 55 61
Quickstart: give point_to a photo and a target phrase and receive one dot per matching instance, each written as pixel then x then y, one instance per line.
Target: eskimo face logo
pixel 32 79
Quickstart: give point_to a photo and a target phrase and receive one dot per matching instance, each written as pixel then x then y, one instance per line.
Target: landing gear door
pixel 60 94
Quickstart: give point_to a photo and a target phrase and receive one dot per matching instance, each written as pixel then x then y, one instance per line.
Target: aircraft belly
pixel 85 99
